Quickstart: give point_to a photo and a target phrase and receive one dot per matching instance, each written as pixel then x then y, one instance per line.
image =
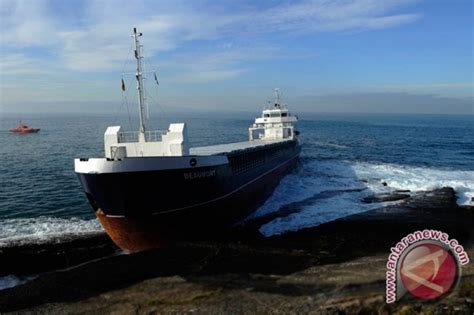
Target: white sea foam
pixel 330 145
pixel 418 179
pixel 317 177
pixel 310 179
pixel 11 281
pixel 44 229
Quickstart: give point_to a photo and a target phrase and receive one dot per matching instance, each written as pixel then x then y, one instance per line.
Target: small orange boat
pixel 22 128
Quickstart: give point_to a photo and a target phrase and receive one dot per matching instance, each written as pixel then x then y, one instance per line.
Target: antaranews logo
pixel 425 264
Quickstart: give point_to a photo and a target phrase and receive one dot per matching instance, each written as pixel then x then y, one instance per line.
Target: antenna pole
pixel 139 77
pixel 277 96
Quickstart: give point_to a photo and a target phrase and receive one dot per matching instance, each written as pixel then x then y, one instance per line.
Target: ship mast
pixel 139 77
pixel 277 96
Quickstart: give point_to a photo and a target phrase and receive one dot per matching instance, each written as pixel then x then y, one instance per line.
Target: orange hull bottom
pixel 132 235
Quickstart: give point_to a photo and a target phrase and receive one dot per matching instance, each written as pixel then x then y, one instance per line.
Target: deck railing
pixel 272 106
pixel 132 136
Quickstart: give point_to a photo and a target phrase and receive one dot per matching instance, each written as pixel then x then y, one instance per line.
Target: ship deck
pixel 230 147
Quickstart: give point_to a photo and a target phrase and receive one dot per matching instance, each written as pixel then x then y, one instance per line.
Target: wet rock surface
pixel 335 268
pixel 38 258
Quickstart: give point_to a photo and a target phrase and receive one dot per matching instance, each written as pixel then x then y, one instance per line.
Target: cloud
pixel 19 63
pixel 452 89
pixel 207 75
pixel 208 41
pixel 27 23
pixel 225 62
pixel 98 40
pixel 327 16
pixel 385 102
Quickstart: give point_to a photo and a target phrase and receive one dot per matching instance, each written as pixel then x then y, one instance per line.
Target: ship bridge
pixel 276 122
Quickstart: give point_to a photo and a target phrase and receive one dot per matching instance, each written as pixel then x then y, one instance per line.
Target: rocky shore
pixel 334 268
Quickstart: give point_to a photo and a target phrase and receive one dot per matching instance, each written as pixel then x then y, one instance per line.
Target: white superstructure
pixel 144 143
pixel 172 142
pixel 276 122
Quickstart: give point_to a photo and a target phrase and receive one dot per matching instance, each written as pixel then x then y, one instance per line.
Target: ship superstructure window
pixel 275 114
pixel 284 114
pixel 266 115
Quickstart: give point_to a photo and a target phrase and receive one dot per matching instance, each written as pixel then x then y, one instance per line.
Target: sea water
pixel 345 158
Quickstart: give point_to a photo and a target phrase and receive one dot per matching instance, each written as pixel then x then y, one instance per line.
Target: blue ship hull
pixel 147 209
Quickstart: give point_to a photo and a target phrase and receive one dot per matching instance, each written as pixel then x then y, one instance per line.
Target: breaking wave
pixel 418 179
pixel 11 281
pixel 44 230
pixel 348 183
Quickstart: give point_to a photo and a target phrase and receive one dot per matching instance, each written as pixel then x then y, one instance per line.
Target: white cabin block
pixel 172 142
pixel 111 142
pixel 176 140
pixel 276 123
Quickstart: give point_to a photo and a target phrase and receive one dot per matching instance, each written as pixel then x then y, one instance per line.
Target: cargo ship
pixel 152 187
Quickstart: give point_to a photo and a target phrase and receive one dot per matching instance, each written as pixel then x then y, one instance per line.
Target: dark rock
pixel 442 199
pixel 36 258
pixel 402 191
pixel 338 267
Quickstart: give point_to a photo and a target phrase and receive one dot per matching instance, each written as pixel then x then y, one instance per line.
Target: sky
pixel 342 56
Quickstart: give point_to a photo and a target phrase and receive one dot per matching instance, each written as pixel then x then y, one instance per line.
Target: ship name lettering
pixel 203 174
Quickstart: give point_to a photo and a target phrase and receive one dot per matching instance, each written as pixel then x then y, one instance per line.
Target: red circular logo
pixel 428 271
